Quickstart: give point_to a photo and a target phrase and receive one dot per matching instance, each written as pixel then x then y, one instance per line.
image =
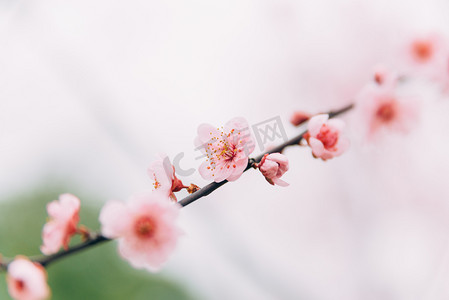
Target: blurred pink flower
pixel 383 107
pixel 27 280
pixel 145 227
pixel 226 149
pixel 64 217
pixel 384 76
pixel 273 166
pixel 428 57
pixel 162 172
pixel 325 138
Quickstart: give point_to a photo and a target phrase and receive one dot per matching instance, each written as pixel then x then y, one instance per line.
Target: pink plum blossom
pixel 273 166
pixel 428 56
pixel 62 225
pixel 324 136
pixel 162 172
pixel 385 77
pixel 385 108
pixel 226 149
pixel 145 227
pixel 27 280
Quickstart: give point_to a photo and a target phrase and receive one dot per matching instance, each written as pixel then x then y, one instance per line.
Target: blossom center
pixel 223 149
pixel 327 136
pixel 422 50
pixel 386 112
pixel 144 227
pixel 20 285
pixel 156 183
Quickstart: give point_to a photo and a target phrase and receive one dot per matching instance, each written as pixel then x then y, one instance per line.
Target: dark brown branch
pixel 99 239
pixel 46 260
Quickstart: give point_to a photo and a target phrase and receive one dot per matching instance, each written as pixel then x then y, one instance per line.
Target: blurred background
pixel 92 91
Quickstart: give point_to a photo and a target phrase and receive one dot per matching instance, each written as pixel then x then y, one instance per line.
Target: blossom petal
pixel 114 219
pixel 317 146
pixel 316 123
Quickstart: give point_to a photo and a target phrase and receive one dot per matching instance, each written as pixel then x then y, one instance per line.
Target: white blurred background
pixel 92 91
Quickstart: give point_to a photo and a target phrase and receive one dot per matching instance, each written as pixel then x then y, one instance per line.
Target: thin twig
pixel 206 190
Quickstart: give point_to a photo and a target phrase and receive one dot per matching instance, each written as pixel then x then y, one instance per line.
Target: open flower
pixel 64 217
pixel 385 76
pixel 162 172
pixel 428 56
pixel 226 149
pixel 386 108
pixel 145 226
pixel 325 138
pixel 27 280
pixel 273 166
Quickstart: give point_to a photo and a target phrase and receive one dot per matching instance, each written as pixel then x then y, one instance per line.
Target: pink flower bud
pixel 27 280
pixel 325 138
pixel 299 117
pixel 273 166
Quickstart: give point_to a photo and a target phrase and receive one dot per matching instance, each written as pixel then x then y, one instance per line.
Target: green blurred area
pixel 96 273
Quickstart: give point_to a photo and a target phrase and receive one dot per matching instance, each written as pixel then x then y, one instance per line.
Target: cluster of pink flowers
pixel 384 104
pixel 146 224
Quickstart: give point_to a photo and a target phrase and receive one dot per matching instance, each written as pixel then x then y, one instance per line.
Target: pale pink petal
pixel 69 202
pixel 315 124
pixel 337 124
pixel 64 217
pixel 280 182
pixel 342 145
pixel 114 218
pixel 240 166
pixel 223 171
pixel 317 146
pixel 205 170
pixel 237 123
pixel 206 132
pixel 52 237
pixel 54 209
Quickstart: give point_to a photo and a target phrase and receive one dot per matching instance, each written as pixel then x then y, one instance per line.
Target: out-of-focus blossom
pixel 325 138
pixel 162 172
pixel 382 107
pixel 385 76
pixel 64 217
pixel 27 280
pixel 428 57
pixel 145 226
pixel 299 117
pixel 273 166
pixel 226 149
